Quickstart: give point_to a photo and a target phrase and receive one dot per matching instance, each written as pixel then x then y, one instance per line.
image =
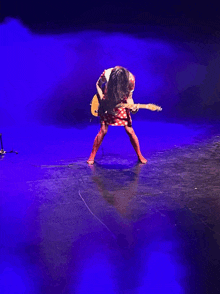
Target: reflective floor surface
pixel 117 226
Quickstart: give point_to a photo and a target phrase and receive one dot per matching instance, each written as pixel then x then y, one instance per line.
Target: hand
pixel 134 109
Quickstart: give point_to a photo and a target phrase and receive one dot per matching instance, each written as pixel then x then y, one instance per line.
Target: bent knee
pixel 104 130
pixel 129 131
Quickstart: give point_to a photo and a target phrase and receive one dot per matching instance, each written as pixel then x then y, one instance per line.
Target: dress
pixel 122 116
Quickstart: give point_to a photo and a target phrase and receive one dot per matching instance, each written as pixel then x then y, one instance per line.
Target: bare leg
pixel 135 143
pixel 97 142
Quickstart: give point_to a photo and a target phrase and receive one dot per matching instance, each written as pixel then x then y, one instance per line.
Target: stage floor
pixel 117 226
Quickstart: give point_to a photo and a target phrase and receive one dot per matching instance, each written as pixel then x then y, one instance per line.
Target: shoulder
pixel 107 73
pixel 131 76
pixel 131 81
pixel 109 69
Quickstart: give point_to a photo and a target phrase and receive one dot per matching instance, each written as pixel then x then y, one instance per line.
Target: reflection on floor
pixel 117 226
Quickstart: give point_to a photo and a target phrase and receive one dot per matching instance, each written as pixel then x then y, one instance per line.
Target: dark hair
pixel 117 87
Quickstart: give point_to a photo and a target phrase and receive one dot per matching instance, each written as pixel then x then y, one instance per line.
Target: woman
pixel 114 86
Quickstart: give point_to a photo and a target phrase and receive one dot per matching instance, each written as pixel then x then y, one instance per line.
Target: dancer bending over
pixel 114 86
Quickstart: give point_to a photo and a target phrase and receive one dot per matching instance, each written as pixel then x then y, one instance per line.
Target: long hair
pixel 117 87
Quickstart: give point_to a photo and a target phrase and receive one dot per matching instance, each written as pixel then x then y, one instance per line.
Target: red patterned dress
pixel 122 116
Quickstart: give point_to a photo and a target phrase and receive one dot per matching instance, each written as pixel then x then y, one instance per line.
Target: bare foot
pixel 142 159
pixel 90 161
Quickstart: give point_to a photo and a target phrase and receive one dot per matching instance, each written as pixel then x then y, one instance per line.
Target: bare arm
pixel 100 84
pixel 131 101
pixel 99 90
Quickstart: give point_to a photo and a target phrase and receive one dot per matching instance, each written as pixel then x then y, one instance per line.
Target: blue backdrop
pixel 49 79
